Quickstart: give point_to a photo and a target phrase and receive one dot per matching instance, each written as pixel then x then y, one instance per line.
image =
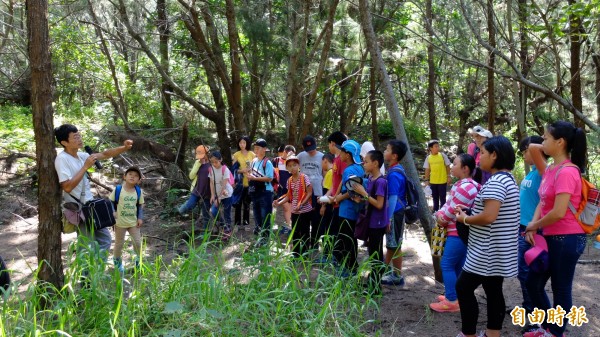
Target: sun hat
pixel 352 181
pixel 479 130
pixel 365 148
pixel 536 257
pixel 201 151
pixel 353 148
pixel 291 159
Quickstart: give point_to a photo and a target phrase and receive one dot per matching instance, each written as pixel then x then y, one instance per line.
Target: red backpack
pixel 587 214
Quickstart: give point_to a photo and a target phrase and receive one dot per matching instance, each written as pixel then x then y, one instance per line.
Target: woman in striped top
pixel 300 196
pixel 455 251
pixel 492 246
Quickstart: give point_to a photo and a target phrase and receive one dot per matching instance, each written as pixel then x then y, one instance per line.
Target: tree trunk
pixel 521 131
pixel 49 194
pixel 165 89
pixel 430 72
pixel 373 106
pixel 392 107
pixel 523 92
pixel 491 64
pixel 596 59
pixel 575 36
pixel 310 104
pixel 119 104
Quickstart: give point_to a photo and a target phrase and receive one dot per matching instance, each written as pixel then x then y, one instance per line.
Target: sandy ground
pixel 403 311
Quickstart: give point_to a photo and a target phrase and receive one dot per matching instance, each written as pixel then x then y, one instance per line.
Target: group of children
pixel 326 193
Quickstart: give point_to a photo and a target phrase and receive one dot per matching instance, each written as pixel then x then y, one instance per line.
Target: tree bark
pixel 491 63
pixel 373 107
pixel 392 107
pixel 430 72
pixel 49 194
pixel 575 36
pixel 164 32
pixel 119 104
pixel 310 104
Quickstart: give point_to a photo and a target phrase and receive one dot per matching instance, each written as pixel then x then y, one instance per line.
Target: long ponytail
pixel 576 141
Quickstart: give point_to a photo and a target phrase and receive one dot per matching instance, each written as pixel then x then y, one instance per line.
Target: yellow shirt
pixel 437 164
pixel 328 180
pixel 127 207
pixel 244 161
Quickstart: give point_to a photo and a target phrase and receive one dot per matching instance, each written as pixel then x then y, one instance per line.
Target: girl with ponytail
pixel 561 184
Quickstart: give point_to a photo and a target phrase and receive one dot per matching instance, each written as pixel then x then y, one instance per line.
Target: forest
pixel 172 74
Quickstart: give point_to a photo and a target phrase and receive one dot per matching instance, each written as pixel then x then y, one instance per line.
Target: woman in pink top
pixel 561 185
pixel 463 193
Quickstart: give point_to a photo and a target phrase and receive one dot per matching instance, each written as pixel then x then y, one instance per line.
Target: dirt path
pixel 404 311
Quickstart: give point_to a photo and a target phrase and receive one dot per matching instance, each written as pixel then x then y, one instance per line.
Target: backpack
pixel 275 180
pixel 231 178
pixel 138 190
pixel 587 214
pixel 411 209
pixel 302 191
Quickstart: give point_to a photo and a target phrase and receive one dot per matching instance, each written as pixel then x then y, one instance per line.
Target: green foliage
pixel 262 295
pixel 16 129
pixel 414 133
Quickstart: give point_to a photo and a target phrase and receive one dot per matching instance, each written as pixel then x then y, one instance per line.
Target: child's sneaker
pixel 119 264
pixel 539 332
pixel 393 280
pixel 441 298
pixel 445 306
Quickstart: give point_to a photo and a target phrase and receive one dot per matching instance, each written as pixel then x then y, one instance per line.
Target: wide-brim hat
pixel 479 130
pixel 353 148
pixel 537 257
pixel 291 159
pixel 352 181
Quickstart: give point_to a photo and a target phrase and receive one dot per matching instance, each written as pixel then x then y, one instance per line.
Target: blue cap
pixel 353 148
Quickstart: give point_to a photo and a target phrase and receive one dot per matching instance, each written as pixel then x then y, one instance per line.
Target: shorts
pixel 393 240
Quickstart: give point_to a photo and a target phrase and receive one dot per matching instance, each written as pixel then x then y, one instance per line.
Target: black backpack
pixel 411 209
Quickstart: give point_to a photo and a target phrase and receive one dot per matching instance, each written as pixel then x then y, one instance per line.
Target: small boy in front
pixel 346 246
pixel 299 195
pixel 129 215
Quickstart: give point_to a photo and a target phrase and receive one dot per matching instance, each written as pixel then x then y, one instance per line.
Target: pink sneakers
pixel 445 306
pixel 539 332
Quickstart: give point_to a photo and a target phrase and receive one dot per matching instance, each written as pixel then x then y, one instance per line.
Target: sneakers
pixel 539 332
pixel 284 230
pixel 445 306
pixel 226 234
pixel 441 298
pixel 119 264
pixel 529 328
pixel 481 334
pixel 393 280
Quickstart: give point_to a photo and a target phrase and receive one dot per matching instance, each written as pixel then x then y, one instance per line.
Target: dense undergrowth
pixel 263 294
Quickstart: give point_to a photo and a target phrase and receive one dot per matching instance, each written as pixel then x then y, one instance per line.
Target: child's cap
pixel 217 154
pixel 353 148
pixel 479 130
pixel 201 151
pixel 291 159
pixel 136 169
pixel 536 257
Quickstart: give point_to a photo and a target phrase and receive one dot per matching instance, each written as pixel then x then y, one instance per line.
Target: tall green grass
pixel 265 293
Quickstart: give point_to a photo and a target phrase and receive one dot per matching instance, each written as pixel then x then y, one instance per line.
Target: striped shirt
pixel 492 249
pixel 295 186
pixel 463 193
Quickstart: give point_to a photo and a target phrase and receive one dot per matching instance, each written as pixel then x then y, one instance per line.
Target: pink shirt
pixel 567 181
pixel 463 193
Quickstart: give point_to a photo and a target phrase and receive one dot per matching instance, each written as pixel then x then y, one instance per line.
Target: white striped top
pixel 492 249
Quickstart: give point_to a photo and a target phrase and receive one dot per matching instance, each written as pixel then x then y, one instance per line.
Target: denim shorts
pixel 393 240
